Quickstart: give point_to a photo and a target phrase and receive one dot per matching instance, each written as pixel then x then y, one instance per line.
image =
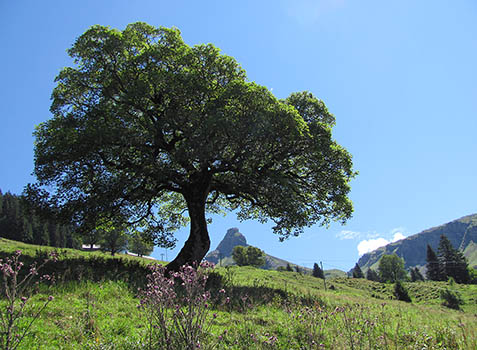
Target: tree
pixel 391 268
pixel 149 128
pixel 289 268
pixel 357 273
pixel 372 275
pixel 433 266
pixel 452 262
pixel 113 238
pixel 20 224
pixel 248 256
pixel 400 292
pixel 140 245
pixel 93 237
pixel 318 272
pixel 416 275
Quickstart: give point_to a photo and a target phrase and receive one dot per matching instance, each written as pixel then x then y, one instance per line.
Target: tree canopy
pixel 452 262
pixel 391 268
pixel 20 224
pixel 139 245
pixel 149 129
pixel 248 256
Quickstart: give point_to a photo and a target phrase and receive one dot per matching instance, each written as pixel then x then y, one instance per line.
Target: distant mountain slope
pixel 461 232
pixel 233 237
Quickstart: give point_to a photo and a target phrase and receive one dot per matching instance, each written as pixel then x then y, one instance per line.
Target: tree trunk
pixel 198 243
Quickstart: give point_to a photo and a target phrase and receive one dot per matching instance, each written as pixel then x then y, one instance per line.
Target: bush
pixel 451 299
pixel 401 293
pixel 177 307
pixel 248 256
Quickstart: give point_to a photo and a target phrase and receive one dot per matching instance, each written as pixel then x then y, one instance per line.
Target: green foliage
pixel 451 299
pixel 433 272
pixel 146 127
pixel 19 223
pixel 452 262
pixel 357 273
pixel 140 245
pixel 264 310
pixel 289 268
pixel 248 256
pixel 391 268
pixel 372 275
pixel 317 271
pixel 416 275
pixel 473 275
pixel 400 292
pixel 15 291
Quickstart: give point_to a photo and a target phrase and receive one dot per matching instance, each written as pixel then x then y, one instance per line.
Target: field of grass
pixel 264 310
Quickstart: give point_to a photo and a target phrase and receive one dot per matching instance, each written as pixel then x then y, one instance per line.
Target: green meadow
pixel 95 306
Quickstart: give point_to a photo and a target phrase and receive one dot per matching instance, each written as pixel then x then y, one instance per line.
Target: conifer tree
pixel 357 273
pixel 433 272
pixel 318 272
pixel 452 261
pixel 289 268
pixel 27 236
pixel 1 203
pixel 372 275
pixel 400 292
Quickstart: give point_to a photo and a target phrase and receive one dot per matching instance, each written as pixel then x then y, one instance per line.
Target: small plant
pixel 177 313
pixel 451 299
pixel 14 290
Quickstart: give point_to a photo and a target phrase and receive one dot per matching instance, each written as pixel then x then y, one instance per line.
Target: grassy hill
pixel 266 310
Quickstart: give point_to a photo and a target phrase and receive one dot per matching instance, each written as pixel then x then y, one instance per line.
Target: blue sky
pixel 399 76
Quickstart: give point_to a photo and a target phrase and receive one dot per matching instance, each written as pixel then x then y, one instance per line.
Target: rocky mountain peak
pixel 232 238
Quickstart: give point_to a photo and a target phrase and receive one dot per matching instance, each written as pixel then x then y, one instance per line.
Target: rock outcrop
pixel 232 238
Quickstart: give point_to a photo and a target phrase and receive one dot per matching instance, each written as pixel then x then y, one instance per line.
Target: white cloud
pixel 398 236
pixel 369 245
pixel 348 235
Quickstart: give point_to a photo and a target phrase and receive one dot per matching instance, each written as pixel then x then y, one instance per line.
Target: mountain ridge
pixel 461 232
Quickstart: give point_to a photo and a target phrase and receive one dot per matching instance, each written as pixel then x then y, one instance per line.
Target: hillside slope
pixel 222 255
pixel 461 232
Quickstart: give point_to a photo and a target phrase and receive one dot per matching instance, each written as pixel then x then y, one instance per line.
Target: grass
pixel 267 310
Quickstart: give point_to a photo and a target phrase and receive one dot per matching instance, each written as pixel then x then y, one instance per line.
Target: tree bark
pixel 198 243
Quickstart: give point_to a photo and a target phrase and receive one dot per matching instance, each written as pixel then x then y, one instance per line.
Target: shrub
pixel 248 256
pixel 14 290
pixel 177 307
pixel 401 293
pixel 451 299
